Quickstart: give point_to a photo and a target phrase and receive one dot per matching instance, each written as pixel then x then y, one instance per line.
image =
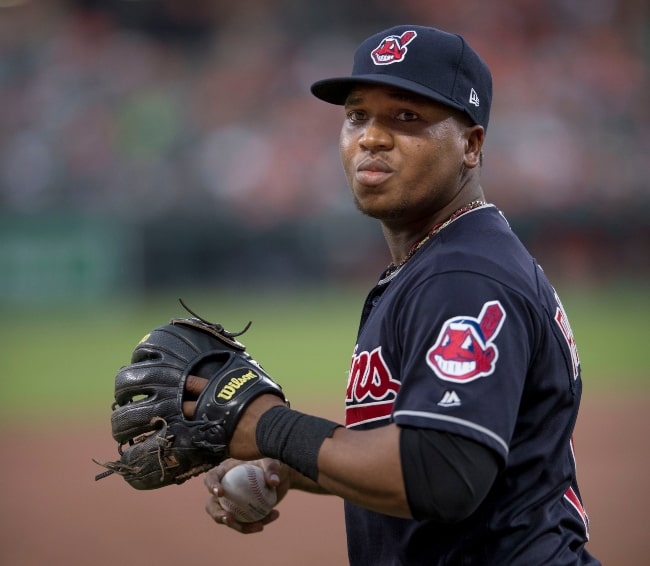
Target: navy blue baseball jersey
pixel 469 337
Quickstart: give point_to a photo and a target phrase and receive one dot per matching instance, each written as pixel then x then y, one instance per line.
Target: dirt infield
pixel 54 513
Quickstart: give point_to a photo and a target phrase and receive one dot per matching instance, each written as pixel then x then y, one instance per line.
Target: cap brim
pixel 336 90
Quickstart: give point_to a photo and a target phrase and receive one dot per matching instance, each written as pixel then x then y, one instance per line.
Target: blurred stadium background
pixel 146 145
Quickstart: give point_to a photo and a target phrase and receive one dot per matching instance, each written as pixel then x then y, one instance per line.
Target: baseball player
pixel 465 380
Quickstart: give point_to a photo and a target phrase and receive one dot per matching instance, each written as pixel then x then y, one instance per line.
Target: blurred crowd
pixel 143 108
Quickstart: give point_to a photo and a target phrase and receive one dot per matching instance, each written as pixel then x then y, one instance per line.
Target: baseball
pixel 246 494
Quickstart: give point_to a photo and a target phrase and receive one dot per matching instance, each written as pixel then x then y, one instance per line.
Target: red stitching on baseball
pixel 255 486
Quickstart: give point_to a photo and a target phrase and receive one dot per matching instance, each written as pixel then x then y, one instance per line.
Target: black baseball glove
pixel 157 444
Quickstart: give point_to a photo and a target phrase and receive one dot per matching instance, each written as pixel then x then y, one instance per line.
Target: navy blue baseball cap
pixel 424 60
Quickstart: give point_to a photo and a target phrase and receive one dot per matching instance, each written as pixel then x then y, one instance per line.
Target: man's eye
pixel 355 115
pixel 407 116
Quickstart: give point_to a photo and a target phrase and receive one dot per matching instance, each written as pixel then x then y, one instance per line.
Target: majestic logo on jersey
pixel 450 399
pixel 392 49
pixel 562 321
pixel 464 350
pixel 371 389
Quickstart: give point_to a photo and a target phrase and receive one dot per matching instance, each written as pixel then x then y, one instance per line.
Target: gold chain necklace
pixel 394 268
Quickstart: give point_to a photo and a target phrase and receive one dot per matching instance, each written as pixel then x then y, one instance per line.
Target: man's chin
pixel 378 213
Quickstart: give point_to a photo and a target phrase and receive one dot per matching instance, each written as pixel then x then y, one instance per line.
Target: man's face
pixel 402 154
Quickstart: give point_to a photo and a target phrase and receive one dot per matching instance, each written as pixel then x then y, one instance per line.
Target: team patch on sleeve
pixel 465 349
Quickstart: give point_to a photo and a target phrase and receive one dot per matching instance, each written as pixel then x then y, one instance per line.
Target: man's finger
pixel 194 384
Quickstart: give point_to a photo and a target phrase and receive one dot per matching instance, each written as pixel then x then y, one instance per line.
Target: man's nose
pixel 376 136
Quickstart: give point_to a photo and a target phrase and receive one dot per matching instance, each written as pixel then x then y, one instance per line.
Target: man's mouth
pixel 372 172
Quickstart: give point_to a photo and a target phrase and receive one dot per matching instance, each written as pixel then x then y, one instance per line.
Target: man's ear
pixel 474 137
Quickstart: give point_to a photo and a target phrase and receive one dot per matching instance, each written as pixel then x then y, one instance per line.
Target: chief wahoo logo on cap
pixel 392 49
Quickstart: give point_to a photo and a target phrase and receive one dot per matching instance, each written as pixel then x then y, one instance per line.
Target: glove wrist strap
pixel 293 438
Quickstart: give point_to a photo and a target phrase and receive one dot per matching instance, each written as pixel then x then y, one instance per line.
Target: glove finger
pixel 143 391
pixel 143 378
pixel 136 418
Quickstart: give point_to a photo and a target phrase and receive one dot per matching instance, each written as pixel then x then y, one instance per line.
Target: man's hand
pixel 276 474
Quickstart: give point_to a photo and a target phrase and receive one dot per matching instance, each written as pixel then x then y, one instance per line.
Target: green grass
pixel 59 362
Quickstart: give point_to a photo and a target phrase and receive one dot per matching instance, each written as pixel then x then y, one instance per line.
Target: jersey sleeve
pixel 465 344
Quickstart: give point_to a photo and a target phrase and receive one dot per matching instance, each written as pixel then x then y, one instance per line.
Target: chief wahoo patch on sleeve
pixel 465 349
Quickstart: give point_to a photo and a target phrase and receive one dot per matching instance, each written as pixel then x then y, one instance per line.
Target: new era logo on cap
pixel 473 98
